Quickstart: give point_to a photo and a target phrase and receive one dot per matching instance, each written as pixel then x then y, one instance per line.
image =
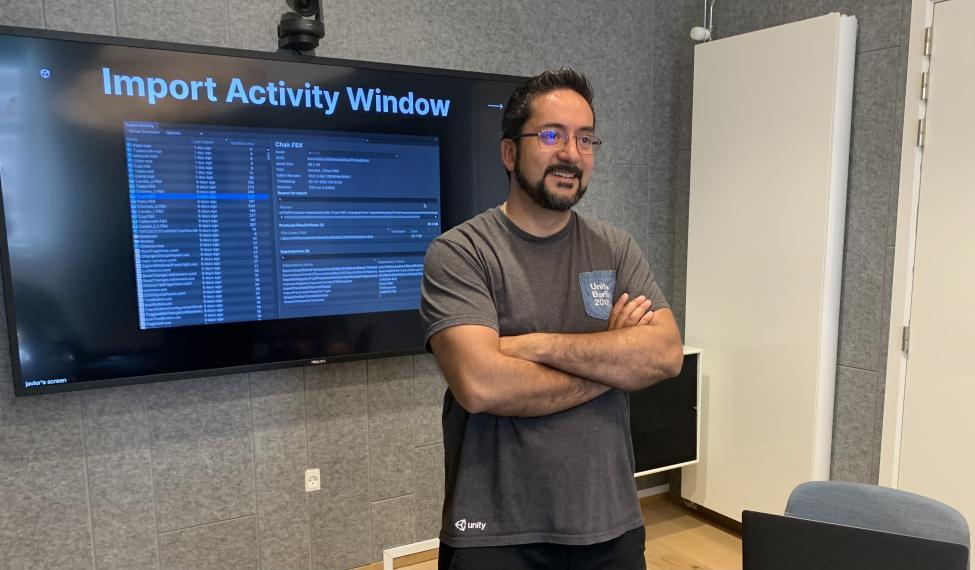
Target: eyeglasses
pixel 557 141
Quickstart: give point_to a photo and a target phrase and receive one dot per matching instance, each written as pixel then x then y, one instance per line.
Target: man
pixel 519 308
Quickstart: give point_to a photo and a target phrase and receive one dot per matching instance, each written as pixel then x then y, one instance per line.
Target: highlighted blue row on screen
pixel 196 196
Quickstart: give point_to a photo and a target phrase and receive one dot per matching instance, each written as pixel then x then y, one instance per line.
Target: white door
pixel 937 444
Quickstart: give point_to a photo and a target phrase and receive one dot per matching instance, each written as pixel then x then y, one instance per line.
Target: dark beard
pixel 541 195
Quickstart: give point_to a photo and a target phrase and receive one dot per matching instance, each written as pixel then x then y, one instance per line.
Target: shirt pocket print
pixel 597 288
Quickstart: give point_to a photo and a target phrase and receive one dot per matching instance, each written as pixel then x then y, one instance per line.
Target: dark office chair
pixel 852 526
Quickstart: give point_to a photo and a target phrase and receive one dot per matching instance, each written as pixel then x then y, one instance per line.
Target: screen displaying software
pixel 175 211
pixel 235 224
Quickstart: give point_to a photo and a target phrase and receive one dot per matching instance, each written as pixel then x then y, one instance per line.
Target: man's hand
pixel 516 346
pixel 629 312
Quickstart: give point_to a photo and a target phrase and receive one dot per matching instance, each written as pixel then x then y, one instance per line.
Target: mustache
pixel 574 170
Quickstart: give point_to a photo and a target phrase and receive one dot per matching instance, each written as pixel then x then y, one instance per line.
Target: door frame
pixel 922 16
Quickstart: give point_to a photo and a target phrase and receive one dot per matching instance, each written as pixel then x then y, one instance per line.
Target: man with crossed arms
pixel 542 320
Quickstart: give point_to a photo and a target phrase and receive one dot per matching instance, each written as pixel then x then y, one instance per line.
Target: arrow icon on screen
pixel 496 106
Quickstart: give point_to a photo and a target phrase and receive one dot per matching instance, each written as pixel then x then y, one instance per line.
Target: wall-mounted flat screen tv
pixel 173 211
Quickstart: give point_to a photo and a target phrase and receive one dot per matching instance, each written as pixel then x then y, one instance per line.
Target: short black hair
pixel 518 109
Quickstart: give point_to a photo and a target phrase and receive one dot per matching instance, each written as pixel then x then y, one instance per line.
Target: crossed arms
pixel 543 373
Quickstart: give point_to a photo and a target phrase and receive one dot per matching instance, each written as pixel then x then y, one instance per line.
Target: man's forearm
pixel 523 388
pixel 628 358
pixel 483 380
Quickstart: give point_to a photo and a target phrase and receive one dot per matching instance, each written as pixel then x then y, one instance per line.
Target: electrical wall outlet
pixel 313 480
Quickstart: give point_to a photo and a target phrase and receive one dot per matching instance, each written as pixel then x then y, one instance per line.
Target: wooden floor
pixel 677 539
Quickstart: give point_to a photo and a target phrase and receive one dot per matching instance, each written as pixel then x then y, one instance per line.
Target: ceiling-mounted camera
pixel 300 30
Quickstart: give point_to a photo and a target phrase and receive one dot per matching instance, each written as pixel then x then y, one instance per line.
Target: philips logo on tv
pixel 273 94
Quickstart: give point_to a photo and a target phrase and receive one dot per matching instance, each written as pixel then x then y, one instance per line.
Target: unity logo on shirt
pixel 462 525
pixel 598 288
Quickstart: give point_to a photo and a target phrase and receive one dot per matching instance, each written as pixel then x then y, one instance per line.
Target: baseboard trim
pixel 652 494
pixel 410 554
pixel 727 524
pixel 416 558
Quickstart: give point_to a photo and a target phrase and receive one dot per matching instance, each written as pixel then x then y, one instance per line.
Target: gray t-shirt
pixel 565 478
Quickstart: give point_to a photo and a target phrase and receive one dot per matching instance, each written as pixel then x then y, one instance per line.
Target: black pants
pixel 621 553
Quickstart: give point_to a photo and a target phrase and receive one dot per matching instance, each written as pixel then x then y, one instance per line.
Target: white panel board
pixel 769 162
